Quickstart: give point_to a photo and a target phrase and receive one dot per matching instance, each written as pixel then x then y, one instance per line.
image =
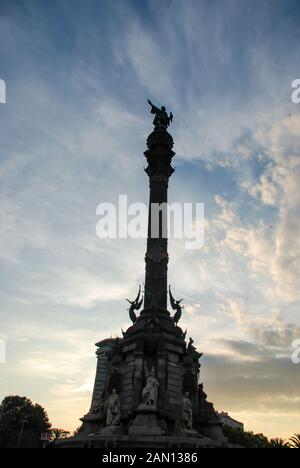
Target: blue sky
pixel 73 132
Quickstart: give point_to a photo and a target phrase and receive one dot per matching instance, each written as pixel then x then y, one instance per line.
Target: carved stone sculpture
pixel 113 417
pixel 135 305
pixel 150 391
pixel 176 306
pixel 187 412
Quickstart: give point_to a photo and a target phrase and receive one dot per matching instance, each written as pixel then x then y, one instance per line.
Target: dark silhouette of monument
pixel 147 391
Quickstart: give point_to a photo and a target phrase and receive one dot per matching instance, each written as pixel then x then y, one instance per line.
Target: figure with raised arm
pixel 161 116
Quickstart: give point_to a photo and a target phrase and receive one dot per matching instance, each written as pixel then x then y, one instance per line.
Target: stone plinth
pixel 145 422
pixel 140 441
pixel 111 430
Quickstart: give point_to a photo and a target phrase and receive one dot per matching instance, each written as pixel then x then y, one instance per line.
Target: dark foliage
pixel 22 423
pixel 251 440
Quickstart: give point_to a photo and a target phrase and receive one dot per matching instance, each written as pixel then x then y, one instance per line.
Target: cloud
pixel 242 384
pixel 278 337
pixel 278 185
pixel 255 386
pixel 148 59
pixel 268 188
pixel 238 311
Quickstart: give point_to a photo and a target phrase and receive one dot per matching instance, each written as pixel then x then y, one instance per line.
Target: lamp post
pixel 1 417
pixel 23 421
pixel 2 410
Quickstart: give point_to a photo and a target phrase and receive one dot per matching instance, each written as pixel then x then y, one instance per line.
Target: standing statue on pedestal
pixel 187 412
pixel 113 417
pixel 161 116
pixel 150 391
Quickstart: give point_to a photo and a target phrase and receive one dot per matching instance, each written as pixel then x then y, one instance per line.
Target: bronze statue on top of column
pixel 161 116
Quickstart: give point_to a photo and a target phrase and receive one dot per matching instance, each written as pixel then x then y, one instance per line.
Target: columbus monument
pixel 148 390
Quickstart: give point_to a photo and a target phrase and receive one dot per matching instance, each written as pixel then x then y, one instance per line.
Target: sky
pixel 73 132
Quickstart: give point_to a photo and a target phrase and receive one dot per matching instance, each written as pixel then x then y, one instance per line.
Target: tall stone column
pixel 159 156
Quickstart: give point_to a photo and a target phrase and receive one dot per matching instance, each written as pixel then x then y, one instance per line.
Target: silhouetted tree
pixel 22 423
pixel 77 431
pixel 295 440
pixel 245 439
pixel 251 440
pixel 58 434
pixel 279 443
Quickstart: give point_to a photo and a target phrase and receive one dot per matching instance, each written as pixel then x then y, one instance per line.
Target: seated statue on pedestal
pixel 113 417
pixel 187 412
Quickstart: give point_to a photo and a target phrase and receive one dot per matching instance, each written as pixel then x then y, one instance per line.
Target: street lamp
pixel 23 421
pixel 1 418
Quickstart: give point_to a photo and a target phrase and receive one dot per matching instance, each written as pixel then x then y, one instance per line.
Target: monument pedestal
pixel 139 441
pixel 91 423
pixel 110 430
pixel 189 433
pixel 145 422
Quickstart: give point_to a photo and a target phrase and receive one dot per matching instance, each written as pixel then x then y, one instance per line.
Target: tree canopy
pixel 251 440
pixel 22 423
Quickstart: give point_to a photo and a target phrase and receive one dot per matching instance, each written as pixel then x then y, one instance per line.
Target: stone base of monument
pixel 145 422
pixel 91 417
pixel 140 441
pixel 190 433
pixel 110 430
pixel 90 423
pixel 214 431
